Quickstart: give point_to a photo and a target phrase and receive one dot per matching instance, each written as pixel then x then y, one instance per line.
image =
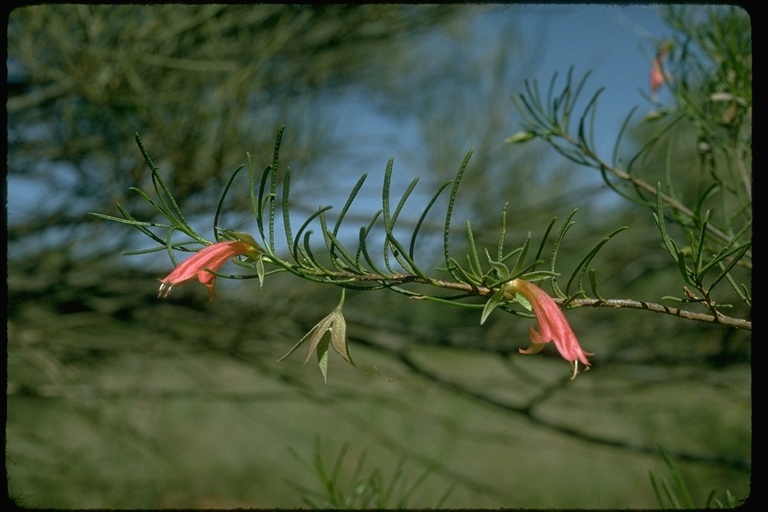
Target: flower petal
pixel 552 324
pixel 205 261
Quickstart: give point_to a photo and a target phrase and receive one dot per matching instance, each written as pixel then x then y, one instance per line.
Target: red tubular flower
pixel 552 325
pixel 201 264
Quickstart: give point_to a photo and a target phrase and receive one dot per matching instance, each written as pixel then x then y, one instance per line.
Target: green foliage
pixel 713 252
pixel 334 327
pixel 677 495
pixel 693 273
pixel 708 200
pixel 358 490
pixel 356 268
pixel 201 81
pixel 691 171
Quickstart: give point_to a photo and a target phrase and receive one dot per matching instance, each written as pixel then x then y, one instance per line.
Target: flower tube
pixel 552 325
pixel 202 264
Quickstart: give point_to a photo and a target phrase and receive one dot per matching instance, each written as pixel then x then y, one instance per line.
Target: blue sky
pixel 614 42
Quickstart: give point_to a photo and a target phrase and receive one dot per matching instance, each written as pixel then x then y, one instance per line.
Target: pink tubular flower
pixel 552 325
pixel 658 73
pixel 201 265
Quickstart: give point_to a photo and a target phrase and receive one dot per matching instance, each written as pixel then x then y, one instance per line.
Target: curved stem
pixel 390 280
pixel 668 200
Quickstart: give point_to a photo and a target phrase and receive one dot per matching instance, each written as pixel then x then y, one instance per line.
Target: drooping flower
pixel 202 264
pixel 552 325
pixel 659 74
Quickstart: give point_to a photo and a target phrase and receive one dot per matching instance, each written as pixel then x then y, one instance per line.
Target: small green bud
pixel 520 137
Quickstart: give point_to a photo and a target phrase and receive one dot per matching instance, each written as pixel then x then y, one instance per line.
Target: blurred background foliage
pixel 118 400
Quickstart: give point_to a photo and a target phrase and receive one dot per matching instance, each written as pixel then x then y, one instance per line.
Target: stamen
pixel 165 289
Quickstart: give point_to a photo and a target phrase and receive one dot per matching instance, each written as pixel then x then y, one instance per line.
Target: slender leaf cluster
pixel 393 267
pixel 481 273
pixel 706 196
pixel 677 496
pixel 374 490
pixel 713 220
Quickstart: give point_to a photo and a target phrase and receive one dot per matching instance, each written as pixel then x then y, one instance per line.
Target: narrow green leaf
pixel 220 204
pixel 495 300
pixel 252 189
pixel 585 138
pixel 322 356
pixel 712 499
pixel 309 259
pixel 260 271
pixel 405 260
pixel 503 234
pixel 736 254
pixel 685 272
pixel 424 216
pixel 686 495
pixel 363 247
pixel 656 490
pixel 286 205
pixel 473 258
pixel 449 211
pixel 698 247
pixel 537 275
pixel 593 285
pixel 385 208
pixel 501 271
pixel 523 253
pixel 171 206
pixel 551 103
pixel 403 199
pixel 138 252
pixel 545 238
pixel 579 88
pixel 728 250
pixel 364 231
pixel 581 268
pixel 520 298
pixel 616 156
pixel 385 192
pixel 141 226
pixel 169 246
pixel 343 213
pixel 351 263
pixel 461 275
pixel 162 206
pixel 348 204
pixel 263 199
pixel 671 496
pixel 144 152
pixel 274 168
pixel 303 227
pixel 399 252
pixel 556 247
